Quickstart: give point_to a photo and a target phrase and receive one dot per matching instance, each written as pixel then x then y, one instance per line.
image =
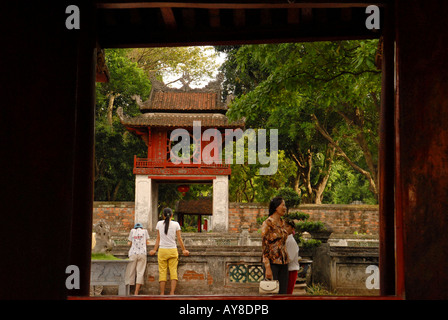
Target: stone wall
pixel 346 270
pixel 237 269
pixel 209 270
pixel 118 215
pixel 344 219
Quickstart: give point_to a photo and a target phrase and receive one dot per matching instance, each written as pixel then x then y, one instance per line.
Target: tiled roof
pixel 189 100
pixel 211 120
pixel 199 206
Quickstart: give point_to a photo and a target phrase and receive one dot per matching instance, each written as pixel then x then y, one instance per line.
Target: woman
pixel 168 256
pixel 293 252
pixel 275 257
pixel 138 239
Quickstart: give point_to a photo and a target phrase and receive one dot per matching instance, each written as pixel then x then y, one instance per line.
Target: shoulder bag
pixel 269 286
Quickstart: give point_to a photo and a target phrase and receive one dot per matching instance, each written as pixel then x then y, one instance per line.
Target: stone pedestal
pixel 220 219
pixel 109 273
pixel 146 197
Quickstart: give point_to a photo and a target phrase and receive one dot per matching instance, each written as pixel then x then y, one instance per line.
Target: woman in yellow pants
pixel 168 257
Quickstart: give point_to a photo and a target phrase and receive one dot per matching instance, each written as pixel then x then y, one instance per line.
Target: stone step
pixel 299 289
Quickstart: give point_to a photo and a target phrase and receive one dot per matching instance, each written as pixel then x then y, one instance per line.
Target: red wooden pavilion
pixel 166 110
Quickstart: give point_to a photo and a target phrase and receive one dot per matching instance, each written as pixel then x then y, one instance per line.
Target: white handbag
pixel 269 286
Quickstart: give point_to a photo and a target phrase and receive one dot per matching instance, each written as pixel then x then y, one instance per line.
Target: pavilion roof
pixel 180 107
pixel 178 120
pixel 184 99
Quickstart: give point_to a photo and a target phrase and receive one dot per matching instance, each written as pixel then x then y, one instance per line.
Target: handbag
pixel 269 286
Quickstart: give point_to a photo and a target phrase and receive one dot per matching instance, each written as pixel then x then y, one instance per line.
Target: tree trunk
pixel 322 184
pixel 114 195
pixel 297 183
pixel 110 107
pixel 367 174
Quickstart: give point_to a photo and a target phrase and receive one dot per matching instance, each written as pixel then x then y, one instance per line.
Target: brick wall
pixel 344 219
pixel 119 215
pixel 245 215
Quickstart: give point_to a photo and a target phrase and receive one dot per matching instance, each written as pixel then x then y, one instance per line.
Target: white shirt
pixel 167 241
pixel 293 252
pixel 138 237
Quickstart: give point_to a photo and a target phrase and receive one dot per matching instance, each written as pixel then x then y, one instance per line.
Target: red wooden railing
pixel 154 163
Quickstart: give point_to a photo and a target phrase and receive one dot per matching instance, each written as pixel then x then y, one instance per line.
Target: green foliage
pixel 302 224
pixel 246 185
pixel 307 244
pixel 290 197
pixel 298 215
pixel 189 229
pixel 346 185
pixel 309 226
pixel 114 146
pixel 104 256
pixel 126 79
pixel 323 97
pixel 174 62
pixel 317 289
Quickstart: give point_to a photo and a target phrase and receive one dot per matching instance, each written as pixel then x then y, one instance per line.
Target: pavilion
pixel 168 109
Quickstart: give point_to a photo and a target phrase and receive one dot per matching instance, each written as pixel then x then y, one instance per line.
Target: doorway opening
pixel 173 17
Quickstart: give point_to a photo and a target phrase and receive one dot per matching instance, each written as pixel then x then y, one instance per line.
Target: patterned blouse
pixel 274 242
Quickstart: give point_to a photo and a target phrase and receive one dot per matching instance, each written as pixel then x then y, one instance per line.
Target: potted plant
pixel 319 231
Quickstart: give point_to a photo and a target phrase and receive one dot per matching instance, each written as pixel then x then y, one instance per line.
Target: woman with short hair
pixel 138 239
pixel 275 257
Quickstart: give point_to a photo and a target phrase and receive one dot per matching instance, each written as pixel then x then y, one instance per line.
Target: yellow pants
pixel 167 258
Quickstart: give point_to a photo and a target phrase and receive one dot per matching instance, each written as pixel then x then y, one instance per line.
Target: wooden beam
pixel 168 18
pixel 135 16
pixel 236 37
pixel 265 17
pixel 260 4
pixel 293 16
pixel 241 32
pixel 239 17
pixel 346 14
pixel 214 18
pixel 188 17
pixel 307 14
pixel 321 15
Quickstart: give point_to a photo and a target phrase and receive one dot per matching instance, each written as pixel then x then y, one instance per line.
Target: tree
pixel 323 98
pixel 126 80
pixel 114 146
pixel 175 62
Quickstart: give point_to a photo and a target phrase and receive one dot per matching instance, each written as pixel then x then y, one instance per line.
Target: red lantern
pixel 183 189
